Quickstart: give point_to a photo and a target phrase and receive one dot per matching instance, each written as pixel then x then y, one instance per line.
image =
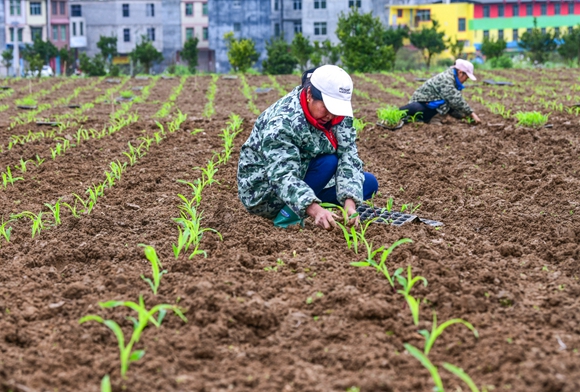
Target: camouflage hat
pixel 336 88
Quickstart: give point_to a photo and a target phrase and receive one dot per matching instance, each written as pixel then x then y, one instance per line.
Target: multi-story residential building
pixel 172 34
pixel 195 23
pixel 2 28
pixel 36 20
pixel 59 23
pixel 472 21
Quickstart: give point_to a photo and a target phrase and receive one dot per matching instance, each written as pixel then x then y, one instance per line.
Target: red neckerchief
pixel 326 128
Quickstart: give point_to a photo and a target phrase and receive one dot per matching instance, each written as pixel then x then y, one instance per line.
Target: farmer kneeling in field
pixel 302 152
pixel 442 94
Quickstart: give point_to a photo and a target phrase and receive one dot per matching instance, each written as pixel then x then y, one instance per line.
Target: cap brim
pixel 471 76
pixel 338 107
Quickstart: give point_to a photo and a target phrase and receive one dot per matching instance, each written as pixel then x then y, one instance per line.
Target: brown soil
pixel 506 259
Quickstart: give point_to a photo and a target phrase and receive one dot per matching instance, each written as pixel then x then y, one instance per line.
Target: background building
pixel 2 27
pixel 195 23
pixel 59 23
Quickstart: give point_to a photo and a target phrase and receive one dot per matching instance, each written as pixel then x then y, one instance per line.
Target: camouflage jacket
pixel 439 87
pixel 274 160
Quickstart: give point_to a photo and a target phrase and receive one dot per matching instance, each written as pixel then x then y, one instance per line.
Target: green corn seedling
pixel 349 233
pixel 55 209
pixel 127 94
pixel 8 179
pixel 106 384
pixel 408 284
pixel 23 163
pixel 457 371
pixel 197 188
pixel 359 124
pixel 6 232
pixel 151 255
pixel 131 154
pixel 73 209
pixel 436 331
pixel 415 352
pixel 36 219
pixel 182 241
pixel 391 116
pixel 126 353
pixel 532 119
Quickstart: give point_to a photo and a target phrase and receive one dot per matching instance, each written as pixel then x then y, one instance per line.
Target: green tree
pixel 301 49
pixel 316 55
pixel 363 44
pixel 38 54
pixel 538 44
pixel 94 66
pixel 280 60
pixel 394 37
pixel 330 52
pixel 7 58
pixel 108 47
pixel 241 52
pixel 493 49
pixel 429 41
pixel 146 54
pixel 189 53
pixel 570 47
pixel 67 58
pixel 456 48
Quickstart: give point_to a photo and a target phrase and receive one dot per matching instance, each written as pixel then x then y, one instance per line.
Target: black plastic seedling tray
pixel 497 83
pixel 392 218
pixel 5 88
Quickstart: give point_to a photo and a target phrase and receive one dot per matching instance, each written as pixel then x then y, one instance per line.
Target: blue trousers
pixel 322 169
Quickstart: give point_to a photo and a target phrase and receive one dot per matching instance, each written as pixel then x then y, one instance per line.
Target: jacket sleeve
pixel 349 174
pixel 282 157
pixel 455 99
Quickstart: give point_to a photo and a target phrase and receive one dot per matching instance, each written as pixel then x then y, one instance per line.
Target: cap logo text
pixel 343 90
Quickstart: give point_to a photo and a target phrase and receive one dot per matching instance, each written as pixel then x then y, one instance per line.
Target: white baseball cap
pixel 336 88
pixel 465 66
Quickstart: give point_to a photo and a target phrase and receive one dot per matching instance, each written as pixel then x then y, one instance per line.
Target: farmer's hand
pixel 321 216
pixel 350 207
pixel 475 118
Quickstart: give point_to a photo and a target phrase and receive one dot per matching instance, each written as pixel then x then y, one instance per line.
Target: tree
pixel 7 58
pixel 493 49
pixel 429 41
pixel 67 58
pixel 570 47
pixel 301 49
pixel 108 47
pixel 316 55
pixel 456 48
pixel 537 43
pixel 38 54
pixel 330 52
pixel 94 66
pixel 363 43
pixel 280 60
pixel 394 37
pixel 241 52
pixel 189 53
pixel 146 53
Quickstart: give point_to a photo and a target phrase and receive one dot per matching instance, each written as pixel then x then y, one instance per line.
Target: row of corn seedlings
pixel 248 93
pixel 189 221
pixel 166 108
pixel 145 317
pixel 376 258
pixel 281 91
pixel 389 90
pixel 209 109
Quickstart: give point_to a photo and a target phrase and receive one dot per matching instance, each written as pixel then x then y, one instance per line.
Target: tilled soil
pixel 283 310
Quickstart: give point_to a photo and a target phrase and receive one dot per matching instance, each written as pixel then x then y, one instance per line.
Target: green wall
pixel 523 23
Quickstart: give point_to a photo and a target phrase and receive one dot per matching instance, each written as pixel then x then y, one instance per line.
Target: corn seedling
pixel 531 119
pixel 391 116
pixel 196 187
pixel 26 101
pixel 87 205
pixel 6 232
pixel 151 255
pixel 415 352
pixel 457 371
pixel 73 209
pixel 359 124
pixel 126 353
pixel 190 219
pixel 207 173
pixel 23 163
pixel 55 209
pixel 408 284
pixel 8 179
pixel 127 94
pixel 209 109
pixel 131 154
pixel 36 219
pixel 406 207
pixel 432 336
pixel 350 234
pixel 106 384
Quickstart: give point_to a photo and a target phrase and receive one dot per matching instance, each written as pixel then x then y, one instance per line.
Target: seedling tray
pixel 230 77
pixel 74 106
pixel 392 218
pixel 141 77
pixel 26 107
pixel 399 126
pixel 116 81
pixel 5 88
pixel 497 83
pixel 260 90
pixel 421 79
pixel 50 123
pixel 121 99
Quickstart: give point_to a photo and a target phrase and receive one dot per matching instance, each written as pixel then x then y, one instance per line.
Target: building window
pixel 237 27
pixel 557 10
pixel 515 10
pixel 529 10
pixel 515 35
pixel 74 29
pixel 276 29
pixel 237 4
pixel 500 10
pixel 54 32
pixel 543 30
pixel 54 8
pixel 485 34
pixel 319 4
pixel 461 24
pixel 189 33
pixel 19 34
pixel 205 34
pixel 399 13
pixel 486 11
pixel 297 4
pixel 276 5
pixel 319 28
pixel 543 9
pixel 15 7
pixel 125 10
pixel 297 26
pixel 36 33
pixel 189 9
pixel 76 10
pixel 500 34
pixel 81 29
pixel 126 35
pixel 35 9
pixel 423 15
pixel 150 10
pixel 571 8
pixel 151 33
pixel 204 10
pixel 63 33
pixel 352 3
pixel 62 5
